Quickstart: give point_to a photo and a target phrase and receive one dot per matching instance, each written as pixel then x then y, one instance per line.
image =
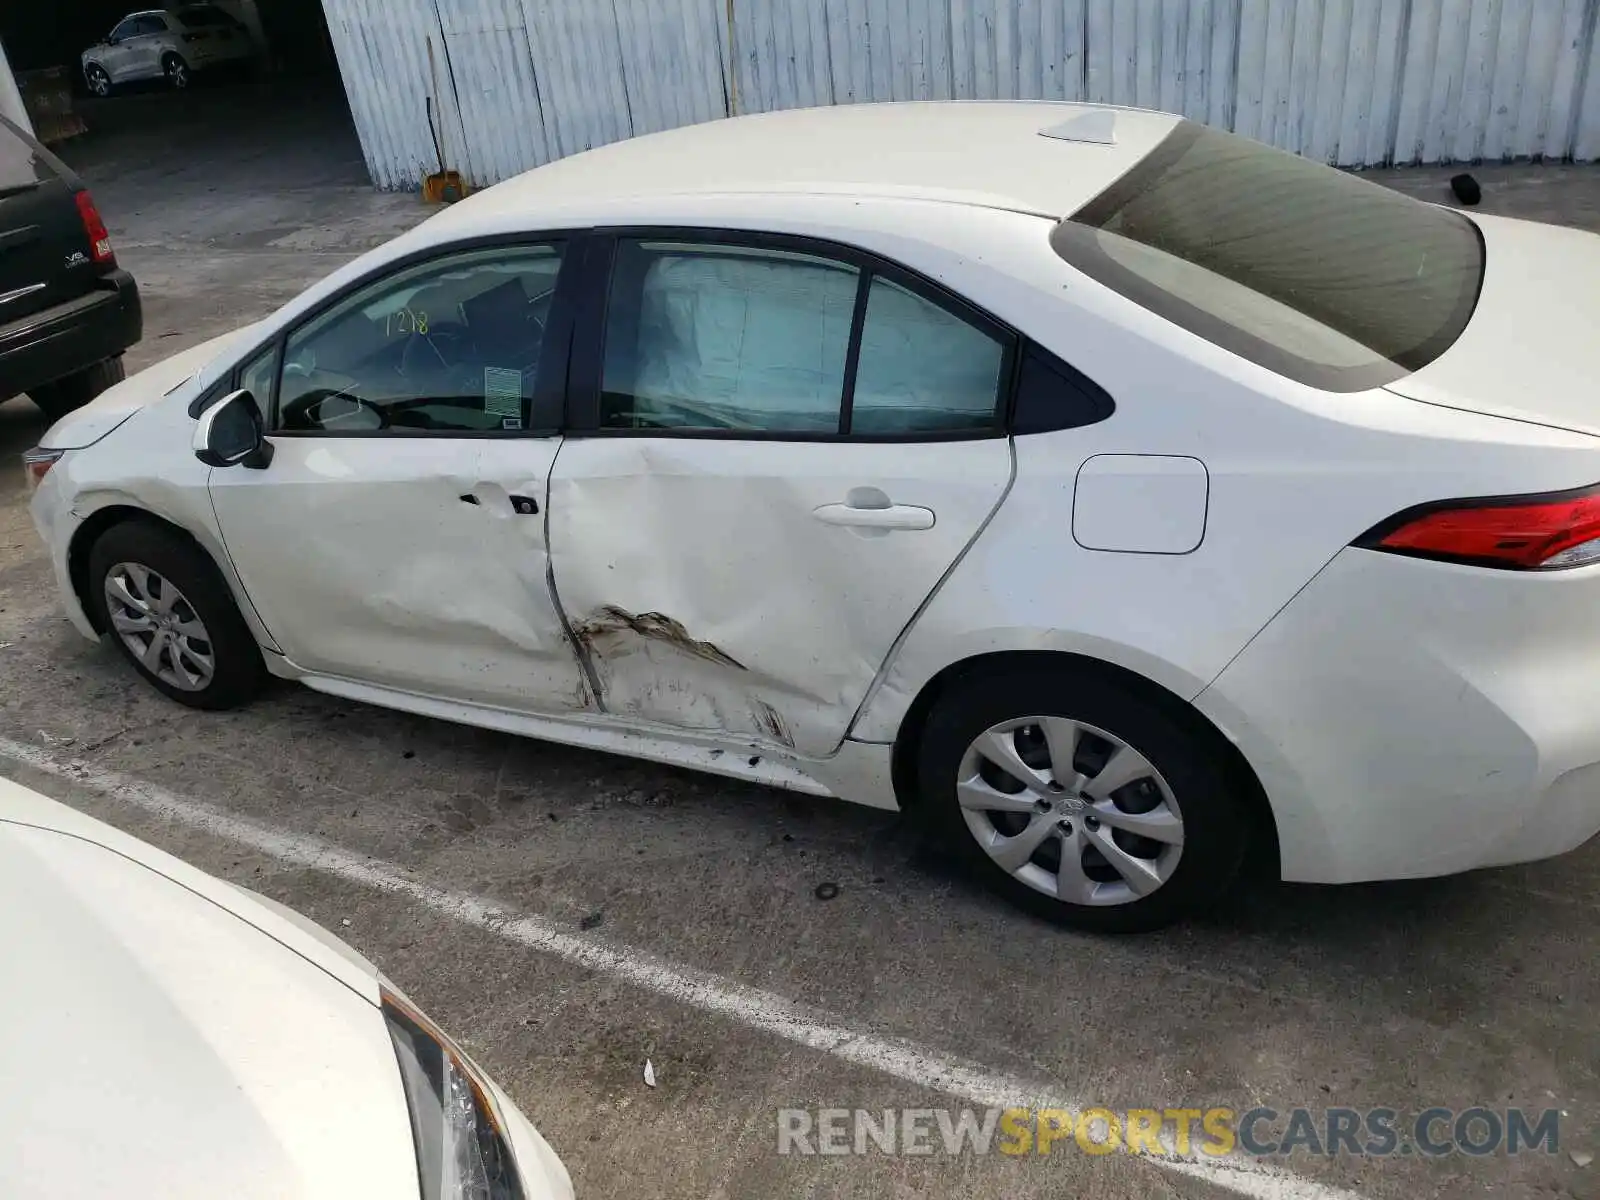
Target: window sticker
pixel 502 392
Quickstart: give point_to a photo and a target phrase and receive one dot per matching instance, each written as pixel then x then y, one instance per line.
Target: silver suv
pixel 173 44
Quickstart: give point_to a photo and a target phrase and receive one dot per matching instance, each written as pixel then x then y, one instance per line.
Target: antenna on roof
pixel 1098 125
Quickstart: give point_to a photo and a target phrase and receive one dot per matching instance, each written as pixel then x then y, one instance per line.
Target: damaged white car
pixel 1118 493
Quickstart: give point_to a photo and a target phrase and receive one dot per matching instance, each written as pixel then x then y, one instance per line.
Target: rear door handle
pixel 895 516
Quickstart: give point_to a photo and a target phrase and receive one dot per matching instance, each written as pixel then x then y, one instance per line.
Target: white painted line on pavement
pixel 764 1011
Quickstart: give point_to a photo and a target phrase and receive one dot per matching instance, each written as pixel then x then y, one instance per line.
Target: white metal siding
pixel 1352 82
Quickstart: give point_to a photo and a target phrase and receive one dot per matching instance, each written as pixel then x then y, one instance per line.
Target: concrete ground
pixel 693 933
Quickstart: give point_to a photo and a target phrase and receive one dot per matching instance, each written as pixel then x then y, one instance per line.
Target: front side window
pixel 124 30
pixel 257 376
pixel 1314 273
pixel 450 345
pixel 151 24
pixel 728 338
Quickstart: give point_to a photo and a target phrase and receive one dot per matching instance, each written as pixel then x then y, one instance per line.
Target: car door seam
pixel 579 649
pixel 232 576
pixel 900 639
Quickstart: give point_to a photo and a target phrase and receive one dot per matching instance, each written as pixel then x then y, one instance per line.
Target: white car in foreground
pixel 169 1035
pixel 1116 492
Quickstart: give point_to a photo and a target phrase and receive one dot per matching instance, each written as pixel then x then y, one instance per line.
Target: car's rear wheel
pixel 176 71
pixel 1081 797
pixel 168 611
pixel 57 399
pixel 98 81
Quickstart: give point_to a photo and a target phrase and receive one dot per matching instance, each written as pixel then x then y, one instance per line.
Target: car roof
pixel 989 153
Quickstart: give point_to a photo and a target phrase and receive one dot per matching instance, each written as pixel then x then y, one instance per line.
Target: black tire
pixel 98 81
pixel 56 400
pixel 238 674
pixel 1187 754
pixel 178 74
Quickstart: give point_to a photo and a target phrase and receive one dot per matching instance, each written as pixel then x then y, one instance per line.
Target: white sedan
pixel 169 1035
pixel 1119 494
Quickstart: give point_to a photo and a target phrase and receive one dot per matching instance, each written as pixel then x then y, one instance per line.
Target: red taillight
pixel 1519 533
pixel 99 235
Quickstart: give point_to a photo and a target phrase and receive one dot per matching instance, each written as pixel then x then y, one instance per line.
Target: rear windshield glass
pixel 1311 272
pixel 199 18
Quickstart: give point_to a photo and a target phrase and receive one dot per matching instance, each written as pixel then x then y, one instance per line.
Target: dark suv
pixel 66 311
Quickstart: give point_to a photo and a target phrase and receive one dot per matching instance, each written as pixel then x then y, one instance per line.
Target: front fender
pixel 185 505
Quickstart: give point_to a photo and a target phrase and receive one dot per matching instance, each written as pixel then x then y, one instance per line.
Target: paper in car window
pixel 502 392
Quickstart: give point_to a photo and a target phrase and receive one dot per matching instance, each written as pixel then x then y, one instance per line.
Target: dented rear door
pixel 777 454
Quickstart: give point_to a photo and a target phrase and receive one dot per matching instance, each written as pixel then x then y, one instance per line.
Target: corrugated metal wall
pixel 1353 82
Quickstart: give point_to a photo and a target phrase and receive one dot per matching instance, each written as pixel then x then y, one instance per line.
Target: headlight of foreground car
pixel 36 464
pixel 462 1151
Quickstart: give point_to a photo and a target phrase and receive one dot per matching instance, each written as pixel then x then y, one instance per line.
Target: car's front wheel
pixel 56 400
pixel 169 612
pixel 1079 796
pixel 98 81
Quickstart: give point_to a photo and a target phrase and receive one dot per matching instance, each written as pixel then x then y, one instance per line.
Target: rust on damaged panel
pixel 608 622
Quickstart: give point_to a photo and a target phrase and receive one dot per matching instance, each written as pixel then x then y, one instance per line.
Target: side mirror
pixel 231 432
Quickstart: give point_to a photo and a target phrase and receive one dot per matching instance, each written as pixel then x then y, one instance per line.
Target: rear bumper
pixel 1410 718
pixel 45 346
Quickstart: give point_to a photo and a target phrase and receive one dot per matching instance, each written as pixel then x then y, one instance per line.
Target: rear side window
pixel 922 368
pixel 733 339
pixel 1311 272
pixel 726 338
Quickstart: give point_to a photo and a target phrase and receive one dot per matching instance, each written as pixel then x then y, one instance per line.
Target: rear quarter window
pixel 1313 273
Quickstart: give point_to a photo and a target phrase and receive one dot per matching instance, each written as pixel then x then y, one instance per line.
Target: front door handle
pixel 523 506
pixel 890 517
